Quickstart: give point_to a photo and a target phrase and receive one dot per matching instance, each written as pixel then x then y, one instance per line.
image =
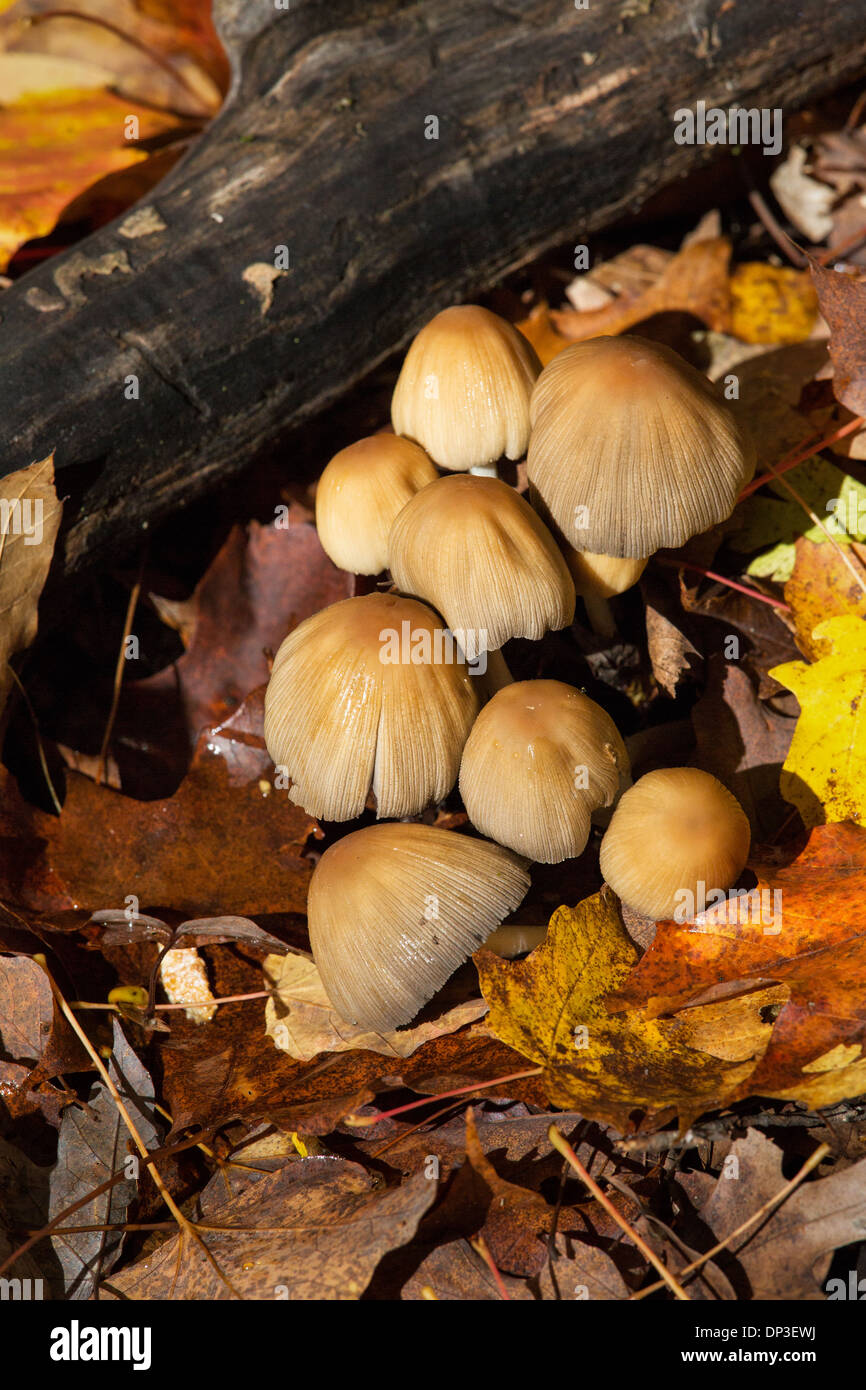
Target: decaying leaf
pixel 843 304
pixel 94 1144
pixel 788 1255
pixel 302 1021
pixel 323 1226
pixel 822 586
pixel 803 927
pixel 551 1008
pixel 29 522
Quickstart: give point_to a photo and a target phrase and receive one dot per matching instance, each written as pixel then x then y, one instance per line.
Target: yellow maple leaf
pixel 824 774
pixel 551 1008
pixel 772 304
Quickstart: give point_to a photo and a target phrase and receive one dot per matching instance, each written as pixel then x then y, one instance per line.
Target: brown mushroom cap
pixel 463 391
pixel 360 493
pixel 395 909
pixel 370 694
pixel 474 549
pixel 673 831
pixel 540 759
pixel 631 449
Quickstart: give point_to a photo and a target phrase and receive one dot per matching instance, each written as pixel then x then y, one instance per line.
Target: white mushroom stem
pixel 600 614
pixel 485 470
pixel 515 941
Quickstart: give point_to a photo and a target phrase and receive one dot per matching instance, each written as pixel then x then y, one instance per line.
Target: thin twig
pixel 820 1153
pixel 813 445
pixel 101 770
pixel 39 747
pixel 479 1245
pixel 722 579
pixel 359 1121
pixel 560 1143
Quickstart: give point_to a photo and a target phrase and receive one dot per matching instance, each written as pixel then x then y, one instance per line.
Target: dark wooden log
pixel 553 120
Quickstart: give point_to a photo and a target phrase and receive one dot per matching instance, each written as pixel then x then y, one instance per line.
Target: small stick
pixel 102 768
pixel 820 1153
pixel 721 579
pixel 561 1143
pixel 479 1245
pixel 359 1121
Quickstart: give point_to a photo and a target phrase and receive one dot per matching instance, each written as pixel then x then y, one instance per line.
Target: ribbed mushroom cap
pixel 673 831
pixel 463 391
pixel 360 493
pixel 345 715
pixel 631 448
pixel 394 909
pixel 540 759
pixel 474 549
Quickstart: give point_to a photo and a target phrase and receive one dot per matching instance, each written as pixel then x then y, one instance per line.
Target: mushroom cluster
pixel 380 703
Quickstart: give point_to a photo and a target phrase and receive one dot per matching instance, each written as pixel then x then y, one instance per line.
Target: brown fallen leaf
pixel 743 742
pixel 788 1255
pixel 301 1020
pixel 456 1273
pixel 36 1042
pixel 263 582
pixel 694 282
pixel 810 938
pixel 225 843
pixel 843 303
pixel 29 521
pixel 517 1219
pixel 324 1225
pixel 671 651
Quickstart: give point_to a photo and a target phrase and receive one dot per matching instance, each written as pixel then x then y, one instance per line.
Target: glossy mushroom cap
pixel 474 549
pixel 676 831
pixel 540 759
pixel 369 695
pixel 360 493
pixel 394 909
pixel 632 449
pixel 463 391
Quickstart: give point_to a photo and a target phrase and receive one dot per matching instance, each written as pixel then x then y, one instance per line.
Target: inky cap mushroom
pixel 463 391
pixel 476 550
pixel 631 449
pixel 676 831
pixel 370 694
pixel 360 493
pixel 540 759
pixel 395 909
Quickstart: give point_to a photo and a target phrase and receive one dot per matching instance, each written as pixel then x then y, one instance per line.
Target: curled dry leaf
pixel 843 303
pixel 301 1020
pixel 29 524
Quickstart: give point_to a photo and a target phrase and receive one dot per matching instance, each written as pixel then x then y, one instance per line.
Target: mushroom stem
pixel 515 941
pixel 600 614
pixel 485 470
pixel 496 675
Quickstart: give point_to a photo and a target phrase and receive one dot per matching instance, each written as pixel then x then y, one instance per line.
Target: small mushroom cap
pixel 463 391
pixel 360 493
pixel 673 831
pixel 604 575
pixel 395 909
pixel 371 694
pixel 631 448
pixel 476 550
pixel 540 759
